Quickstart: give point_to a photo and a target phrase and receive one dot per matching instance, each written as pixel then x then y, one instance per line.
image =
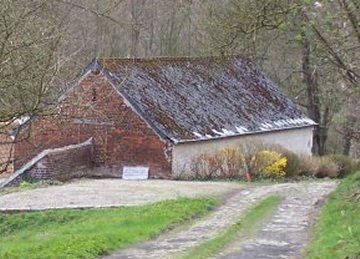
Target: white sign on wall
pixel 135 173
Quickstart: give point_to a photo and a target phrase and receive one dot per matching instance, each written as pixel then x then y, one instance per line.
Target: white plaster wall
pixel 296 140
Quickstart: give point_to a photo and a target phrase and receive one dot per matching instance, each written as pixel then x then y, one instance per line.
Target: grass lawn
pixel 337 233
pixel 246 226
pixel 93 232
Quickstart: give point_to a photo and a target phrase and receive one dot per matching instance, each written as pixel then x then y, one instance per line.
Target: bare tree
pixel 314 63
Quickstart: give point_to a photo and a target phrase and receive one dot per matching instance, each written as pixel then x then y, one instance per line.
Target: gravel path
pixel 286 233
pixel 293 213
pixel 283 236
pixel 110 193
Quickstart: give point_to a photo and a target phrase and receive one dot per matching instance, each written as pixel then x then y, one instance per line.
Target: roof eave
pixel 179 142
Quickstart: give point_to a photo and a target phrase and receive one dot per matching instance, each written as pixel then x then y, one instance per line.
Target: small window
pixel 94 95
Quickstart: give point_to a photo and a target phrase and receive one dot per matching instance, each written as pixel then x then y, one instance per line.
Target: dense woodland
pixel 311 49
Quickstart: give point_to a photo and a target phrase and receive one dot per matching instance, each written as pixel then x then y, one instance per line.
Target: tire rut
pixel 176 242
pixel 287 232
pixel 170 245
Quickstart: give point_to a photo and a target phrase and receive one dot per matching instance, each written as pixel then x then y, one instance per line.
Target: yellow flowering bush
pixel 267 163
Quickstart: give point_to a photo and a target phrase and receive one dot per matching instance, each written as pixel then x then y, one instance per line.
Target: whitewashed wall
pixel 296 140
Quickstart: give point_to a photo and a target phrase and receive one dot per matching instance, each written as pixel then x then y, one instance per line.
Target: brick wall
pixel 95 109
pixel 57 164
pixel 6 154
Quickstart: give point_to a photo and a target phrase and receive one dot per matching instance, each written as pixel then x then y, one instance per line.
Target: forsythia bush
pixel 267 163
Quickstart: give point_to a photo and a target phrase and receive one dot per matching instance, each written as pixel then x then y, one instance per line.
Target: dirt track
pixel 284 236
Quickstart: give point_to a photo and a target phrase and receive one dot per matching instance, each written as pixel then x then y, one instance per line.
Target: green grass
pixel 247 226
pixel 93 232
pixel 337 233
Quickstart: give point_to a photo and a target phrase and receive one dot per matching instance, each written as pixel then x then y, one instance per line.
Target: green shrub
pixel 344 163
pixel 25 185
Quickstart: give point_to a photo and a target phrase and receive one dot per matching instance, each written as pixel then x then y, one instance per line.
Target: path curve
pixel 176 242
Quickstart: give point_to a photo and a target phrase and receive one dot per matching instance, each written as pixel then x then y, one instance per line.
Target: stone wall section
pixel 62 164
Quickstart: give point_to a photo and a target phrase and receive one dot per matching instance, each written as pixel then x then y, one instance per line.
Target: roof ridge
pixel 172 58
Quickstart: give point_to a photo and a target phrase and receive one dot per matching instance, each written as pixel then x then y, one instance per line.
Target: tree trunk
pixel 313 98
pixel 136 12
pixel 348 134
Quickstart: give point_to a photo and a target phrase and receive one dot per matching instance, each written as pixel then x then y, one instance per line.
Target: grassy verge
pixel 337 233
pixel 248 225
pixel 90 233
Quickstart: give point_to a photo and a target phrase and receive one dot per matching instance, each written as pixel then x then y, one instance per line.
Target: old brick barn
pixel 160 113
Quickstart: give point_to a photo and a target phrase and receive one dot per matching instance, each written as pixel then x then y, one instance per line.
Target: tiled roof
pixel 187 99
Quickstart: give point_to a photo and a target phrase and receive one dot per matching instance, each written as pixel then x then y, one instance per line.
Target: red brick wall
pixel 95 109
pixel 6 154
